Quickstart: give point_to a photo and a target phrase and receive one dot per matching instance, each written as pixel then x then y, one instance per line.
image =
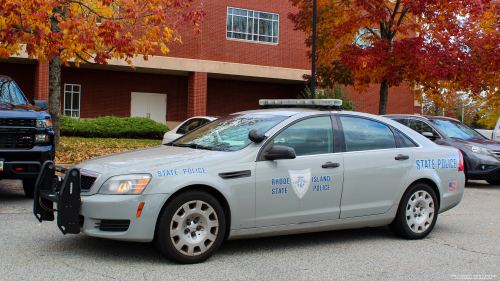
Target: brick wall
pixel 105 93
pixel 41 81
pixel 228 96
pixel 23 74
pixel 197 94
pixel 211 43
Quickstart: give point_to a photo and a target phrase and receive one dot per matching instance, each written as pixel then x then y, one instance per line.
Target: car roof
pixel 428 117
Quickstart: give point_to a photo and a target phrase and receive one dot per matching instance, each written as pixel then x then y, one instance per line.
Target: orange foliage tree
pixel 435 46
pixel 91 31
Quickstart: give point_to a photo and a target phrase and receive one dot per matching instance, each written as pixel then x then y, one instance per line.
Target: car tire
pixel 493 182
pixel 417 212
pixel 29 187
pixel 190 227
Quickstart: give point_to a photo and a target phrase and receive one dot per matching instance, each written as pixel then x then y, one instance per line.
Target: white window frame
pixel 253 34
pixel 79 101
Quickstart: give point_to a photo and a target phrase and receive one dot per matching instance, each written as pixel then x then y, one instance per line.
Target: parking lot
pixel 465 245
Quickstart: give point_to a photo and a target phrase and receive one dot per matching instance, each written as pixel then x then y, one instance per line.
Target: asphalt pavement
pixel 464 245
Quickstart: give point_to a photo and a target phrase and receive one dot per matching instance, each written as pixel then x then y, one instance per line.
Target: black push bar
pixel 64 191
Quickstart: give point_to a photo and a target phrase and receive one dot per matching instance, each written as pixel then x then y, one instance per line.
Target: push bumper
pixel 99 215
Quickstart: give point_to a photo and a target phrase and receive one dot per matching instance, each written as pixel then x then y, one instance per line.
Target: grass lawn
pixel 77 150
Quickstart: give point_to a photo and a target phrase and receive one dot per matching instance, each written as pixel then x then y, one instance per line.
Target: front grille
pixel 113 225
pixel 496 153
pixel 17 122
pixel 87 179
pixel 86 183
pixel 17 137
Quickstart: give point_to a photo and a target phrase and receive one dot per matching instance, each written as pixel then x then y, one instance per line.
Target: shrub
pixel 113 127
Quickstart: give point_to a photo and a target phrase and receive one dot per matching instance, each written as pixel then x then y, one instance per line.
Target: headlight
pixel 43 123
pixel 478 149
pixel 125 184
pixel 42 138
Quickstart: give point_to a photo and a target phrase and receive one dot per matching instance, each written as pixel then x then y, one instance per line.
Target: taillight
pixel 460 161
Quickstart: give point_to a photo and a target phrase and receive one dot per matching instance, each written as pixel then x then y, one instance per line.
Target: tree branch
pixel 80 57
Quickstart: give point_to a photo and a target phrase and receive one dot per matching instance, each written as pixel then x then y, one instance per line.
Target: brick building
pixel 247 51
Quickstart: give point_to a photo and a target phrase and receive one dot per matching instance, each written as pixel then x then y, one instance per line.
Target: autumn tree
pixel 434 46
pixel 91 31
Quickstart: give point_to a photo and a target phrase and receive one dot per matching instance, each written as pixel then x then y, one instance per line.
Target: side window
pixel 407 141
pixel 402 121
pixel 308 137
pixel 420 126
pixel 189 126
pixel 362 134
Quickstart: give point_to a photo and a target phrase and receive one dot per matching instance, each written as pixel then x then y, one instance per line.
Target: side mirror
pixel 41 103
pixel 280 152
pixel 256 135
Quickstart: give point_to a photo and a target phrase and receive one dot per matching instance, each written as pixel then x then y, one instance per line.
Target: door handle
pixel 330 165
pixel 402 157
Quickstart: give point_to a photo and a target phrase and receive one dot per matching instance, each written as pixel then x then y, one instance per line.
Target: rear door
pixel 376 166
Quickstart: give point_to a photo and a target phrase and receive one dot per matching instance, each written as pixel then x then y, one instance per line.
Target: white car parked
pixel 257 173
pixel 186 126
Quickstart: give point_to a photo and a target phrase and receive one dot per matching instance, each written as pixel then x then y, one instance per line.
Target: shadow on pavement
pixel 83 246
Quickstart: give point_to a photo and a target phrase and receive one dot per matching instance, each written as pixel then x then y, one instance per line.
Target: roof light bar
pixel 318 102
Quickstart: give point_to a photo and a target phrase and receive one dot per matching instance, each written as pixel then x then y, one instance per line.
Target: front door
pixel 148 105
pixel 307 188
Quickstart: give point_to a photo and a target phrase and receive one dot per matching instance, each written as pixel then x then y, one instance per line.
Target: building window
pixel 252 26
pixel 72 100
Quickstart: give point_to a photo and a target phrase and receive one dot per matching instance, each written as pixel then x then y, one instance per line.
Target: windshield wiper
pixel 191 145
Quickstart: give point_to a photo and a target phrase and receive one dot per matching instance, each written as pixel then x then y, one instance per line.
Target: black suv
pixel 26 135
pixel 481 155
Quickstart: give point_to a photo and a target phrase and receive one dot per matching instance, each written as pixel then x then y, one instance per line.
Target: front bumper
pixel 98 215
pixel 482 167
pixel 24 164
pixel 488 174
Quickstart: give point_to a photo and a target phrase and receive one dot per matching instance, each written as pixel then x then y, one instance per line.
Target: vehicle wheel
pixel 191 227
pixel 493 182
pixel 29 188
pixel 417 213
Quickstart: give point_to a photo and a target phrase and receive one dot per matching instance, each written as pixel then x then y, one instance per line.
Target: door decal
pixel 300 181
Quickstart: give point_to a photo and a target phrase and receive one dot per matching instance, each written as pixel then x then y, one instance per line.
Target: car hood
pixel 147 160
pixel 9 110
pixel 484 143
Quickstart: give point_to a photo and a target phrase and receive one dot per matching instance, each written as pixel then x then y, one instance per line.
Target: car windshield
pixel 229 133
pixel 10 93
pixel 455 129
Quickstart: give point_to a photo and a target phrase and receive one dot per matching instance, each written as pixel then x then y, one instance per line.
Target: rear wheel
pixel 191 227
pixel 417 212
pixel 29 187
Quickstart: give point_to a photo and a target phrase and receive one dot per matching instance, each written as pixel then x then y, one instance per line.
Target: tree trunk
pixel 384 93
pixel 55 95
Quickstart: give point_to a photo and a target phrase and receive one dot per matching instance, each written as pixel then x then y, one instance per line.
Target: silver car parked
pixel 259 173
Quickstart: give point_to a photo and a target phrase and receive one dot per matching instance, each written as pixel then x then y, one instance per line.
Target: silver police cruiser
pixel 266 172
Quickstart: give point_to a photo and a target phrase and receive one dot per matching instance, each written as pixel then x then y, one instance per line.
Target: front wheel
pixel 29 187
pixel 191 227
pixel 417 212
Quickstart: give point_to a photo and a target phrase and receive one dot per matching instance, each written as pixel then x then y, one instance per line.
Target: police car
pixel 257 173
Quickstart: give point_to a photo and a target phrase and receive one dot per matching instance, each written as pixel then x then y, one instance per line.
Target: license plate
pixel 1 165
